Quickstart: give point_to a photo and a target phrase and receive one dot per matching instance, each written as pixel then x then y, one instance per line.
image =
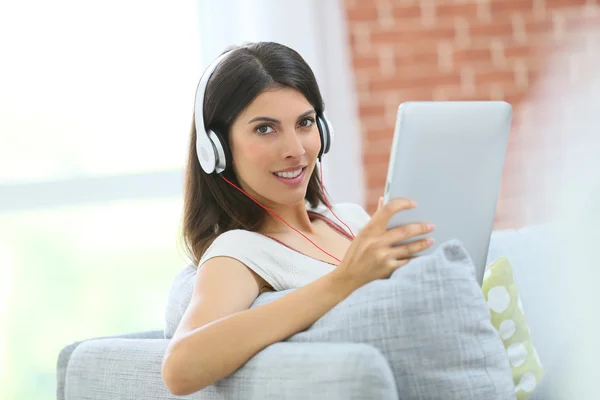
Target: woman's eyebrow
pixel 276 121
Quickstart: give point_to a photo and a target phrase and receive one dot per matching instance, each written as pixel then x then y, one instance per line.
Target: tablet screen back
pixel 449 157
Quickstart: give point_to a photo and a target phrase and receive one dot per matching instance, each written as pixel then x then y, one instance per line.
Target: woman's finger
pixel 408 250
pixel 382 216
pixel 403 232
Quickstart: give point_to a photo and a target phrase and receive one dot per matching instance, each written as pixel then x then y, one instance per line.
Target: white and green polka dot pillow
pixel 508 317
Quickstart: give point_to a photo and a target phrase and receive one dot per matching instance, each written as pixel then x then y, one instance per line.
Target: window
pixel 95 114
pixel 96 88
pixel 78 272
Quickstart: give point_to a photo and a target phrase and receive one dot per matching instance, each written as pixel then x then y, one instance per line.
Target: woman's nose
pixel 293 146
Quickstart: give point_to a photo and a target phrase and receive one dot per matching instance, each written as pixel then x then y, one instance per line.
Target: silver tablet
pixel 449 157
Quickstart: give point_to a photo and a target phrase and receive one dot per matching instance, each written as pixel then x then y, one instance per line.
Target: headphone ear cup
pixel 321 127
pixel 326 134
pixel 330 135
pixel 223 156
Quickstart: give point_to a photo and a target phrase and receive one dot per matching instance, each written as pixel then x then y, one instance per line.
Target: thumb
pixel 380 203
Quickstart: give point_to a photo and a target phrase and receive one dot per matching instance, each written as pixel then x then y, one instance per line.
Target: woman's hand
pixel 372 254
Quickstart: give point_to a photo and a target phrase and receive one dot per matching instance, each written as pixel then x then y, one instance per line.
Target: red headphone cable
pixel 282 220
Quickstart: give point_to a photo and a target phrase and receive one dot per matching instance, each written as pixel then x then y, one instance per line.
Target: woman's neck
pixel 296 216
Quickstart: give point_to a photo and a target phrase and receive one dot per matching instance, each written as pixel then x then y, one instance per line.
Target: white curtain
pixel 317 30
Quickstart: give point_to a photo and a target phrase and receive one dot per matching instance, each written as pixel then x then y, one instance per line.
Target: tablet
pixel 448 156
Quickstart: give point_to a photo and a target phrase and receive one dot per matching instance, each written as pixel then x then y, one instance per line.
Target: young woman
pixel 263 223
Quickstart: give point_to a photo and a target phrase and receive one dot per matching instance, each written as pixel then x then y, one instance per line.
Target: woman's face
pixel 274 143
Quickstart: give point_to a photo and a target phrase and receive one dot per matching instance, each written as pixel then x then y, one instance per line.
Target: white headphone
pixel 209 148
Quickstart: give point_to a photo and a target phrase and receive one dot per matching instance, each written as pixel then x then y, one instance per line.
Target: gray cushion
pixel 431 322
pixel 179 298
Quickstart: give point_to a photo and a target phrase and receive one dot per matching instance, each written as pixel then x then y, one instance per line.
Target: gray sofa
pixel 129 366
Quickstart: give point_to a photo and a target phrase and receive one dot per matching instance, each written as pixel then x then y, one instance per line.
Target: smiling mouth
pixel 290 174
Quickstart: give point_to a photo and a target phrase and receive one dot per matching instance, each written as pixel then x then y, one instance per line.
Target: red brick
pixel 375 123
pixel 427 56
pixel 373 145
pixel 373 196
pixel 416 95
pixel 497 28
pixel 534 75
pixel 467 10
pixel 472 54
pixel 517 51
pixel 379 134
pixel 399 12
pixel 362 62
pixel 509 93
pixel 375 190
pixel 564 3
pixel 416 70
pixel 417 47
pixel 401 81
pixel 381 158
pixel 511 90
pixel 375 172
pixel 458 95
pixel 411 35
pixel 377 169
pixel 533 27
pixel 510 6
pixel 440 32
pixel 494 77
pixel 352 41
pixel 362 14
pixel 422 94
pixel 385 37
pixel 377 179
pixel 515 98
pixel 392 98
pixel 367 110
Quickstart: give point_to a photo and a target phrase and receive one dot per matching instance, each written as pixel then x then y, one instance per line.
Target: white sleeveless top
pixel 281 266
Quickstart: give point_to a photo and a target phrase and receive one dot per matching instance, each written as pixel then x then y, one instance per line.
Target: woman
pixel 263 223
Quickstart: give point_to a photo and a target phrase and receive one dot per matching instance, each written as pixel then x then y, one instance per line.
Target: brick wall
pixel 456 50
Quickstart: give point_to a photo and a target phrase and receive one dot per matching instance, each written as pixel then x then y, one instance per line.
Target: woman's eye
pixel 263 130
pixel 307 122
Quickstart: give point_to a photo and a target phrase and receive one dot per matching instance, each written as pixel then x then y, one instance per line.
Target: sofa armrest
pixel 65 355
pixel 118 368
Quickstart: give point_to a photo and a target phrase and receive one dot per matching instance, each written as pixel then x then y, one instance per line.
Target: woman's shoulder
pixel 238 237
pixel 249 248
pixel 240 244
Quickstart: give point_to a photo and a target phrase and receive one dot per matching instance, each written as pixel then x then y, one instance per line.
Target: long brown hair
pixel 211 206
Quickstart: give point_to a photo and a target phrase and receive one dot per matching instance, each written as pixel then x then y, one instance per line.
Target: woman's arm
pixel 219 333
